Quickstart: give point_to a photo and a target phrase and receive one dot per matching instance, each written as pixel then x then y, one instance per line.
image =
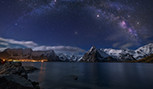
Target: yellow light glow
pixel 25 60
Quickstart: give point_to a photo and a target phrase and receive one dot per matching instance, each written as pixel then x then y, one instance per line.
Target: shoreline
pixel 14 75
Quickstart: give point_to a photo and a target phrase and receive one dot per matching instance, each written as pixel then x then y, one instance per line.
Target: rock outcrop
pixel 14 76
pixel 12 81
pixel 13 68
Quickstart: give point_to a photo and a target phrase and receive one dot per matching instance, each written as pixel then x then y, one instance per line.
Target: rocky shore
pixel 15 76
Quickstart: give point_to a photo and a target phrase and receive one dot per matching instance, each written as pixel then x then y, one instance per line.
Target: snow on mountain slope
pixel 112 52
pixel 144 51
pixel 125 54
pixel 68 57
pixel 120 55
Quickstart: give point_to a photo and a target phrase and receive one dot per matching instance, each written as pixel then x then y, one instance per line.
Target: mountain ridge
pixel 119 55
pixel 93 55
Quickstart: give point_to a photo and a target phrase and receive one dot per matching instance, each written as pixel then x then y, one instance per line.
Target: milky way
pixel 112 11
pixel 76 22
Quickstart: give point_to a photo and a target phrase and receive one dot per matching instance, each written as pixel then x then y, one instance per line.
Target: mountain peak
pixel 94 55
pixel 93 48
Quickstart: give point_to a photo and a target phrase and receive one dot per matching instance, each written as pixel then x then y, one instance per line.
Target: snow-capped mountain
pixel 126 54
pixel 148 59
pixel 69 57
pixel 120 55
pixel 95 55
pixel 144 51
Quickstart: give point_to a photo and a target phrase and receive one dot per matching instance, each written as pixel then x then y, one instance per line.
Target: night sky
pixel 78 23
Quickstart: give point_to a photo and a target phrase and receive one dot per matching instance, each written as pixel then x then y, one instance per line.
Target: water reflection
pixel 94 75
pixel 42 72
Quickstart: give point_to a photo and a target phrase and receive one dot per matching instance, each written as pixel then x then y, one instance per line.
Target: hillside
pixel 148 59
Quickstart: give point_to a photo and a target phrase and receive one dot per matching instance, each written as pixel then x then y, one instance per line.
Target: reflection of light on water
pixel 42 72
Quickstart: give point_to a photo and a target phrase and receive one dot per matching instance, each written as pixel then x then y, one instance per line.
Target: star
pixel 76 33
pixel 111 20
pixel 98 15
pixel 16 24
pixel 138 23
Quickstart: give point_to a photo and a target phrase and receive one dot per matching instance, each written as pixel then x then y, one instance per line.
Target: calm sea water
pixel 60 75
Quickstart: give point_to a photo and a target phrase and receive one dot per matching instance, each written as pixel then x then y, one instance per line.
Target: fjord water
pixel 61 75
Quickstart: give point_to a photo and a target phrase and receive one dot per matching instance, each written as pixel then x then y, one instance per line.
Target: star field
pixel 80 23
